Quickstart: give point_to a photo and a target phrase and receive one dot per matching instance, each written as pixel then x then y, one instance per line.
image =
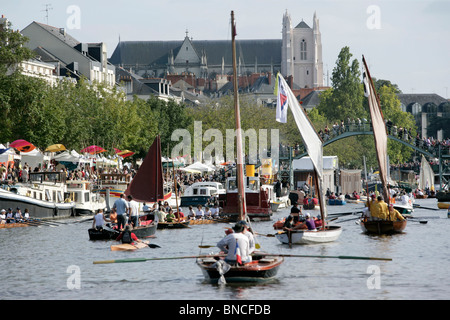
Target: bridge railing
pixel 393 131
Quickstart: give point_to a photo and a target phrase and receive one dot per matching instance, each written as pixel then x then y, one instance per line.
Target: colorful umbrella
pixel 55 148
pixel 125 153
pixel 93 150
pixel 22 145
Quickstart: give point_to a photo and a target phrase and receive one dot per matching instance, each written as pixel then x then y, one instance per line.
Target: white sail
pixel 311 139
pixel 426 177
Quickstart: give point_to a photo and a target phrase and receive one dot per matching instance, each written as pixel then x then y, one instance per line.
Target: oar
pixel 46 222
pixel 42 223
pixel 428 208
pixel 327 257
pixel 154 259
pixel 417 220
pixel 31 223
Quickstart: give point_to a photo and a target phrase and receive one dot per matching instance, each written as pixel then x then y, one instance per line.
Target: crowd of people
pixel 16 216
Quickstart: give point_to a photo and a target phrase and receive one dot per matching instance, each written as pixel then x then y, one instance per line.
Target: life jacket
pixel 126 237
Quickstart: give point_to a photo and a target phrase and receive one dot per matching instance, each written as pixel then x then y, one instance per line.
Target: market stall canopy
pixel 55 148
pixel 93 150
pixel 200 167
pixel 125 153
pixel 190 170
pixel 22 145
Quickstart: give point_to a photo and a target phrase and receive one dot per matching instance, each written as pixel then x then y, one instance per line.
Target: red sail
pixel 147 185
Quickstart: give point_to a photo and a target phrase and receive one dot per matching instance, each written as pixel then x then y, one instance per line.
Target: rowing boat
pixel 299 236
pixel 259 270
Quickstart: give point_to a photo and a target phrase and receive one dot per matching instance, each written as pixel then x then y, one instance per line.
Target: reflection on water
pixel 40 259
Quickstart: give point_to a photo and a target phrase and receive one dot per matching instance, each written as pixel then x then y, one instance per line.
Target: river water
pixel 56 263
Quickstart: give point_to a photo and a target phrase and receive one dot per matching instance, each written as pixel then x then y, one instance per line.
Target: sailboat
pixel 380 137
pixel 426 178
pixel 148 185
pixel 262 268
pixel 314 147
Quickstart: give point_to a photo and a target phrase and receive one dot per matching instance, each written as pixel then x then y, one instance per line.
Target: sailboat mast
pixel 239 164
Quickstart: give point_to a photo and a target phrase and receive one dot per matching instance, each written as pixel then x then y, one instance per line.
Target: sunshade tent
pixel 93 150
pixel 55 148
pixel 22 145
pixel 199 167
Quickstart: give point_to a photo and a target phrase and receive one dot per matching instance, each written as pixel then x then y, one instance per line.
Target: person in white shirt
pixel 133 209
pixel 99 219
pixel 249 234
pixel 3 216
pixel 236 246
pixel 199 214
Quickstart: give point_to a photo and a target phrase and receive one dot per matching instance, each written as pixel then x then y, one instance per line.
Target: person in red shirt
pixel 127 236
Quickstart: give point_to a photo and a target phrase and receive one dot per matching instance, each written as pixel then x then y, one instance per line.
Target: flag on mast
pixel 282 101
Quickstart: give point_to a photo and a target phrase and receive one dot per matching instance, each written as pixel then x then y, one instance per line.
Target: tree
pixel 344 99
pixel 12 49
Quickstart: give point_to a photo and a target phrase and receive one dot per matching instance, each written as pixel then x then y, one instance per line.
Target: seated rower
pixel 236 245
pixel 98 220
pixel 394 215
pixel 127 236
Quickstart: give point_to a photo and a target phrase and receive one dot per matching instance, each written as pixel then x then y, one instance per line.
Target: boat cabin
pixel 200 193
pixel 46 186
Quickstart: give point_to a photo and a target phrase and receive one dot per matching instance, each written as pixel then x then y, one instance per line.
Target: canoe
pixel 383 227
pixel 128 246
pixel 261 269
pixel 330 234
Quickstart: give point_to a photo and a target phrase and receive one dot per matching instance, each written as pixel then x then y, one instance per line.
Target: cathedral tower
pixel 301 53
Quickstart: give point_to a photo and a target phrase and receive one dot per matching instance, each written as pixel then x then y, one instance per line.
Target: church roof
pixel 157 52
pixel 302 24
pixel 421 98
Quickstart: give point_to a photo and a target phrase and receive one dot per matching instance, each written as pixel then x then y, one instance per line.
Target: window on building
pixel 303 50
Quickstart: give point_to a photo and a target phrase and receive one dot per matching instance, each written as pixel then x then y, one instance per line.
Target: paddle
pixel 154 259
pixel 420 221
pixel 42 223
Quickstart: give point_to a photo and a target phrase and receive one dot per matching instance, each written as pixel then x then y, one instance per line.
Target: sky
pixel 404 41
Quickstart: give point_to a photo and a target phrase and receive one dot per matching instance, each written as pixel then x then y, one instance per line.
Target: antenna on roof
pixel 47 9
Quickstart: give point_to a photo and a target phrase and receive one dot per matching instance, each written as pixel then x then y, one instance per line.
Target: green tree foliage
pixel 12 49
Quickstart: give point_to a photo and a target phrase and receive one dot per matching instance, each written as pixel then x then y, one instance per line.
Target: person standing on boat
pixel 121 206
pixel 236 246
pixel 99 219
pixel 133 209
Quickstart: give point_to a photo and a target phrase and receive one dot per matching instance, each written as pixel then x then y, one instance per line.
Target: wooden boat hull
pixel 208 221
pixel 257 271
pixel 111 234
pixel 173 225
pixel 443 205
pixel 336 202
pixel 383 227
pixel 13 225
pixel 330 234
